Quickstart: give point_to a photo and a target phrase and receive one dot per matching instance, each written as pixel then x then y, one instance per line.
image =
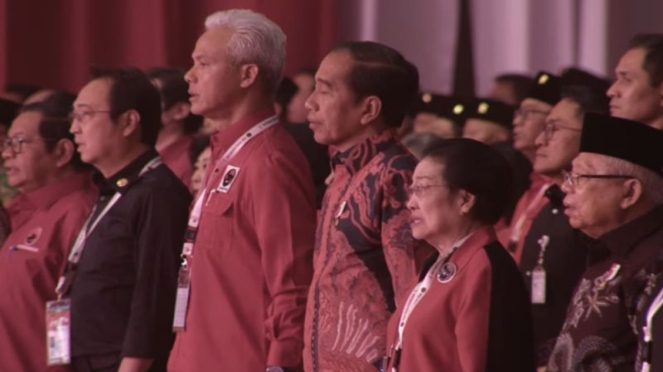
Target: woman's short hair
pixel 478 169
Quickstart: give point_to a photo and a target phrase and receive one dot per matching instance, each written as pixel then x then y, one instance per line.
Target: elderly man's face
pixel 559 143
pixel 214 82
pixel 631 95
pixel 334 112
pixel 593 204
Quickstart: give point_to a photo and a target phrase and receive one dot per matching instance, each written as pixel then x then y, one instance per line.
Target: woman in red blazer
pixel 470 310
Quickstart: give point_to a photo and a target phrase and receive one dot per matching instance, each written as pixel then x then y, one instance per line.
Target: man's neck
pixel 56 177
pixel 169 135
pixel 114 163
pixel 657 123
pixel 249 105
pixel 357 139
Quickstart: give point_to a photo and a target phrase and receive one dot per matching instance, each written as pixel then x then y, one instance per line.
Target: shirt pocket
pixel 218 224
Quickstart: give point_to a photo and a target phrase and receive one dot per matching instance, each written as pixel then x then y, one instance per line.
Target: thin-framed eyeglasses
pixel 419 190
pixel 572 179
pixel 524 113
pixel 16 143
pixel 85 115
pixel 550 128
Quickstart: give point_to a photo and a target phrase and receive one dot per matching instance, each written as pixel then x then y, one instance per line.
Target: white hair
pixel 256 40
pixel 652 183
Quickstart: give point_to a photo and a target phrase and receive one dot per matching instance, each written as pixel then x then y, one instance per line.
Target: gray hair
pixel 256 40
pixel 651 182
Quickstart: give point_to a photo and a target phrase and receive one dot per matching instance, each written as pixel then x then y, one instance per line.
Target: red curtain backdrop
pixel 54 43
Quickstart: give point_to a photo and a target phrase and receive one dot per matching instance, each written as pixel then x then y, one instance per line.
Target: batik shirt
pixel 600 330
pixel 364 257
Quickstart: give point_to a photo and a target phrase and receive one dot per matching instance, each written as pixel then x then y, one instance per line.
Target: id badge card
pixel 182 299
pixel 58 335
pixel 539 285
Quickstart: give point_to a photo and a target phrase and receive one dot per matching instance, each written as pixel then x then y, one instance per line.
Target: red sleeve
pixel 473 316
pixel 285 218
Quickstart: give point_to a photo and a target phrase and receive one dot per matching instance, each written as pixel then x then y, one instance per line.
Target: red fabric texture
pixel 54 45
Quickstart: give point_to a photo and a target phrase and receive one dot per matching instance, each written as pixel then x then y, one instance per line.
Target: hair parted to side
pixel 478 169
pixel 255 40
pixel 381 71
pixel 131 89
pixel 653 63
pixel 651 182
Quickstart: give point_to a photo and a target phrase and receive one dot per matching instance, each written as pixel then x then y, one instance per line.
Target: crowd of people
pixel 230 218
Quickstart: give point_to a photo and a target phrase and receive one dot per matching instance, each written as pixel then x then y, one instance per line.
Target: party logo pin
pixel 229 177
pixel 33 236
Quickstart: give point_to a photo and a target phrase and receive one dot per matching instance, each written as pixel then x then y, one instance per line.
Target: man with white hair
pixel 614 195
pixel 247 258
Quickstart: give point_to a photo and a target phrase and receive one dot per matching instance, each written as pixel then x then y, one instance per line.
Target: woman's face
pixel 435 210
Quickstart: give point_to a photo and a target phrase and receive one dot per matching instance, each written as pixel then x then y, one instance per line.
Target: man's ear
pixel 248 75
pixel 633 192
pixel 180 111
pixel 64 152
pixel 372 108
pixel 130 122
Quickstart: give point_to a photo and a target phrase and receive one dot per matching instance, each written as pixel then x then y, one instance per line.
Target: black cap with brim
pixel 491 110
pixel 546 88
pixel 8 111
pixel 624 139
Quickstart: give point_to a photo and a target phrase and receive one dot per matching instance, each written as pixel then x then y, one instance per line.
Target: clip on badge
pixel 58 327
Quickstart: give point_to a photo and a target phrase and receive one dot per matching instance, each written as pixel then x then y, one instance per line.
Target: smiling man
pixel 364 254
pixel 637 93
pixel 55 196
pixel 614 195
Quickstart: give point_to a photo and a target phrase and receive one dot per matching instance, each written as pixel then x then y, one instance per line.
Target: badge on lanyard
pixel 182 298
pixel 58 321
pixel 539 285
pixel 229 177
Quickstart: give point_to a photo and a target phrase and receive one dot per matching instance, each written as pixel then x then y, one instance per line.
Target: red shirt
pixel 28 275
pixel 364 257
pixel 529 206
pixel 478 321
pixel 251 264
pixel 177 157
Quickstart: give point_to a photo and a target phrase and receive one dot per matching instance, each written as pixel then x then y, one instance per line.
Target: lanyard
pixel 196 211
pixel 517 232
pixel 421 289
pixel 648 337
pixel 89 226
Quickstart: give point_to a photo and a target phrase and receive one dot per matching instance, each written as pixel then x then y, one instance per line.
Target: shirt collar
pixel 556 196
pixel 120 181
pixel 362 153
pixel 623 239
pixel 46 196
pixel 223 139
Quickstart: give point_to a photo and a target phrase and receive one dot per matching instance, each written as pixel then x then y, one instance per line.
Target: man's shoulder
pixel 161 182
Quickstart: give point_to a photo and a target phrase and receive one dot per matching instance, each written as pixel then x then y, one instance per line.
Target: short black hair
pixel 587 99
pixel 381 71
pixel 174 89
pixel 22 90
pixel 131 89
pixel 478 169
pixel 56 122
pixel 653 62
pixel 521 84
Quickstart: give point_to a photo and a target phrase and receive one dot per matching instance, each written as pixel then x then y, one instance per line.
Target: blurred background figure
pixel 439 115
pixel 488 121
pixel 510 88
pixel 175 143
pixel 283 97
pixel 305 82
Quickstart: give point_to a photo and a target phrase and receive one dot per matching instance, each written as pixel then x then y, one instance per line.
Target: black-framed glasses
pixel 419 190
pixel 85 115
pixel 524 113
pixel 16 143
pixel 550 128
pixel 572 179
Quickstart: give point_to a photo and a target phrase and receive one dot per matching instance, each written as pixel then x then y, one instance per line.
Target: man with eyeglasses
pixel 121 277
pixel 55 196
pixel 614 195
pixel 637 92
pixel 554 254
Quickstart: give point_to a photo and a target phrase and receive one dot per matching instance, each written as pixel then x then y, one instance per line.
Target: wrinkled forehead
pixel 429 169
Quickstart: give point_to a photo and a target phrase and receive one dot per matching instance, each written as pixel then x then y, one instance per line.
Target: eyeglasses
pixel 550 128
pixel 524 113
pixel 419 190
pixel 16 143
pixel 85 115
pixel 572 179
